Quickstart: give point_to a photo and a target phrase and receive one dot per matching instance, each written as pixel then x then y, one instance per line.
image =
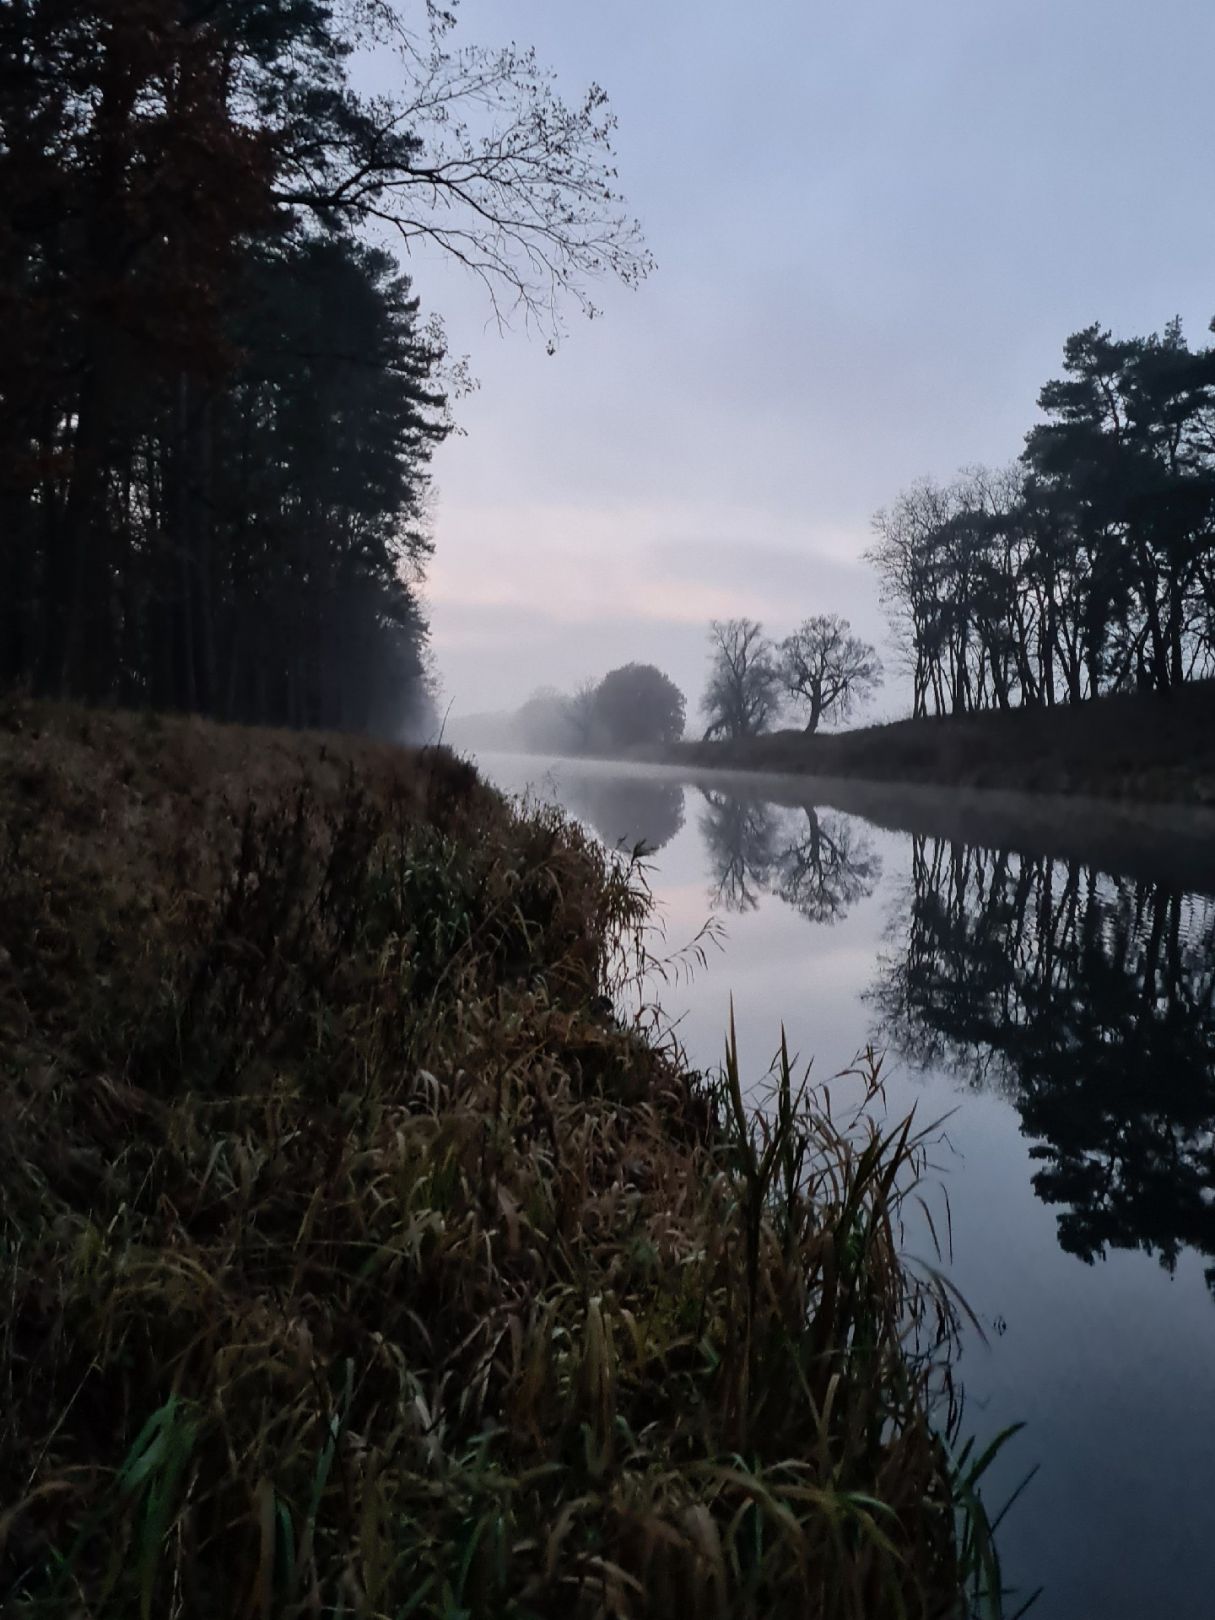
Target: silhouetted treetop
pixel 826 670
pixel 1086 568
pixel 743 692
pixel 635 705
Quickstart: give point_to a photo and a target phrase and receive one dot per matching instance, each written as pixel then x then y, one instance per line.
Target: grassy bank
pixel 1133 746
pixel 356 1259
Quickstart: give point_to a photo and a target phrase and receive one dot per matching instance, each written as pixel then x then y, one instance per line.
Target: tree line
pixel 218 396
pixel 1085 567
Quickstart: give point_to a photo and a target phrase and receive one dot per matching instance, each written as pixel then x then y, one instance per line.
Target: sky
pixel 874 226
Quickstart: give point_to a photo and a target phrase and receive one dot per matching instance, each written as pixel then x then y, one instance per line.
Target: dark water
pixel 1057 992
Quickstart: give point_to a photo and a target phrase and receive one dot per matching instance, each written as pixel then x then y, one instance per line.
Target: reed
pixel 360 1257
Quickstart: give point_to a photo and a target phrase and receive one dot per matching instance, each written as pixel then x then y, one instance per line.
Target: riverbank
pixel 1143 746
pixel 355 1253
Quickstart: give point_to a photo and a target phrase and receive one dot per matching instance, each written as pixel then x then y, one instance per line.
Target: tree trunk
pixel 86 665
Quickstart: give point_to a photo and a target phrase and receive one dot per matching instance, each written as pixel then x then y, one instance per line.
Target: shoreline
pixel 1140 748
pixel 347 1199
pixel 1170 841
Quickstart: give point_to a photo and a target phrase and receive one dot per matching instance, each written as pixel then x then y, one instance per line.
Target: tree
pixel 1086 568
pixel 318 487
pixel 828 668
pixel 127 189
pixel 217 402
pixel 580 712
pixel 744 687
pixel 475 153
pixel 1127 451
pixel 637 705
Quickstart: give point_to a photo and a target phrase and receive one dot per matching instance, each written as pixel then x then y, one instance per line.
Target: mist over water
pixel 1061 1013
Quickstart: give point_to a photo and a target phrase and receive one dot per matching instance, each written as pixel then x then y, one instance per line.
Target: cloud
pixel 492 655
pixel 673 563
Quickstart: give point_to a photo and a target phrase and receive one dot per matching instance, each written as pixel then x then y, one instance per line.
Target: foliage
pixel 356 1259
pixel 543 723
pixel 217 403
pixel 319 489
pixel 827 669
pixel 636 705
pixel 579 717
pixel 742 695
pixel 1088 567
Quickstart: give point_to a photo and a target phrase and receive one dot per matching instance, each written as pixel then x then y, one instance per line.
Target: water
pixel 1051 981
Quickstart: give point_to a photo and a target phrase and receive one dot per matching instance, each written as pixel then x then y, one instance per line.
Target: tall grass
pixel 356 1260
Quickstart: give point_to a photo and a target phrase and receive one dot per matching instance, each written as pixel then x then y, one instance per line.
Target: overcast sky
pixel 875 224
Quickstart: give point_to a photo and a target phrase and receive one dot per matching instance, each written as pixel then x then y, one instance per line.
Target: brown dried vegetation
pixel 356 1260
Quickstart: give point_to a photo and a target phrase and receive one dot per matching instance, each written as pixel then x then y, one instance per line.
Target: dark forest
pixel 218 396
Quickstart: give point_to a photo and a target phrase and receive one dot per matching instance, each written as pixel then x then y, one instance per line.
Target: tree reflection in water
pixel 827 868
pixel 627 810
pixel 819 863
pixel 1089 1001
pixel 740 837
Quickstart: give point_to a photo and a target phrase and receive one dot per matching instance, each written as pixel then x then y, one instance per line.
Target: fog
pixel 874 229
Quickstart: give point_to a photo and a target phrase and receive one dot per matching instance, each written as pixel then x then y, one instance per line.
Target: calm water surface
pixel 1064 1009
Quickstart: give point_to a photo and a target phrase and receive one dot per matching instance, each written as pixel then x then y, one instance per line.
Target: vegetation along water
pixel 1042 974
pixel 359 1255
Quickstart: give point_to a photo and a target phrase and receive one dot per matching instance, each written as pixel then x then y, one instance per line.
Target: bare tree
pixel 743 692
pixel 906 554
pixel 194 204
pixel 826 667
pixel 474 151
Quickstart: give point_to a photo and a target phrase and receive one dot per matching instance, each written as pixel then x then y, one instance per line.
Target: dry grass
pixel 356 1260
